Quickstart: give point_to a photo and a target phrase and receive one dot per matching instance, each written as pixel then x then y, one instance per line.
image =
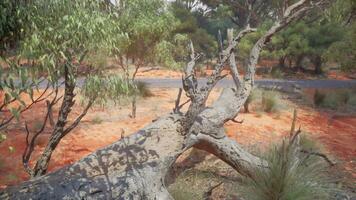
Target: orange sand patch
pixel 146 72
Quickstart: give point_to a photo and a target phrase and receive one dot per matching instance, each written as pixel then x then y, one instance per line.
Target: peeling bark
pixel 132 168
pixel 136 167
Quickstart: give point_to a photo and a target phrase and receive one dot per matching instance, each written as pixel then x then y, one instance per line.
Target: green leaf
pixel 16 113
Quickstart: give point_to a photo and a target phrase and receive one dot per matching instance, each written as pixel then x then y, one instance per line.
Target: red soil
pixel 337 134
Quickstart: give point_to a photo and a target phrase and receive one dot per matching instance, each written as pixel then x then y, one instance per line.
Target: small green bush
pixel 252 97
pixel 97 120
pixel 143 89
pixel 335 99
pixel 270 101
pixel 111 88
pixel 287 178
pixel 276 72
pixel 332 101
pixel 318 98
pixel 352 101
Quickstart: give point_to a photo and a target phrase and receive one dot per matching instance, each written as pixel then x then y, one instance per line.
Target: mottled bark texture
pixel 136 167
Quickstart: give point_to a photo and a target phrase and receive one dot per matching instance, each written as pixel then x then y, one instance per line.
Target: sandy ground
pixel 103 126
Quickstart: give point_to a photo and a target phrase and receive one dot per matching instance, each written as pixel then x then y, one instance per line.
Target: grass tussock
pixel 290 176
pixel 97 120
pixel 265 100
pixel 276 73
pixel 251 98
pixel 270 101
pixel 112 89
pixel 143 89
pixel 345 98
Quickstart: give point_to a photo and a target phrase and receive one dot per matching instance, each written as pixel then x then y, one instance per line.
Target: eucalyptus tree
pixel 58 38
pixel 136 166
pixel 9 23
pixel 195 25
pixel 343 51
pixel 148 27
pixel 312 37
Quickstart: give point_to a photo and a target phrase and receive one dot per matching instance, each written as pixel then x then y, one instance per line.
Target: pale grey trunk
pixel 136 167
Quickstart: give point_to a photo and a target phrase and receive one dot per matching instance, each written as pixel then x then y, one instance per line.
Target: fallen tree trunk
pixel 132 168
pixel 135 167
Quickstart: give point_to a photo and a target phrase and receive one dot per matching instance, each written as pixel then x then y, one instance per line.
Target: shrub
pixel 335 99
pixel 290 176
pixel 276 72
pixel 143 89
pixel 97 120
pixel 352 101
pixel 110 88
pixel 332 101
pixel 249 100
pixel 318 98
pixel 270 101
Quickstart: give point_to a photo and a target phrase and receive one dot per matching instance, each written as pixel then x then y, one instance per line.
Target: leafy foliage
pixel 147 26
pixel 57 37
pixel 15 84
pixel 197 27
pixel 344 51
pixel 337 99
pixel 106 89
pixel 63 32
pixel 10 19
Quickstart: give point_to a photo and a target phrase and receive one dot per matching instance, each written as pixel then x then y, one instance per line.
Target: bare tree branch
pixel 79 118
pixel 324 156
pixel 177 102
pixel 26 156
pixel 233 66
pixel 21 110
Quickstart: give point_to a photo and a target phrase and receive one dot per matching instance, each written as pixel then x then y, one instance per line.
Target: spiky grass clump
pixel 289 176
pixel 270 101
pixel 276 72
pixel 143 89
pixel 252 97
pixel 336 99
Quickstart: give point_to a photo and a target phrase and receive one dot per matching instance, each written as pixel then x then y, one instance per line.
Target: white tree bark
pixel 136 167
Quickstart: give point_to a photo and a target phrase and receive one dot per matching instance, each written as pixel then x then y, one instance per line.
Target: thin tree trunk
pixel 317 60
pixel 133 108
pixel 281 62
pixel 68 101
pixel 246 107
pixel 50 113
pixel 298 62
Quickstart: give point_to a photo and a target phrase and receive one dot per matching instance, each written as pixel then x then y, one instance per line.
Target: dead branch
pixel 236 121
pixel 324 156
pixel 78 119
pixel 207 195
pixel 232 60
pixel 177 102
pixel 39 99
pixel 136 166
pixel 26 156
